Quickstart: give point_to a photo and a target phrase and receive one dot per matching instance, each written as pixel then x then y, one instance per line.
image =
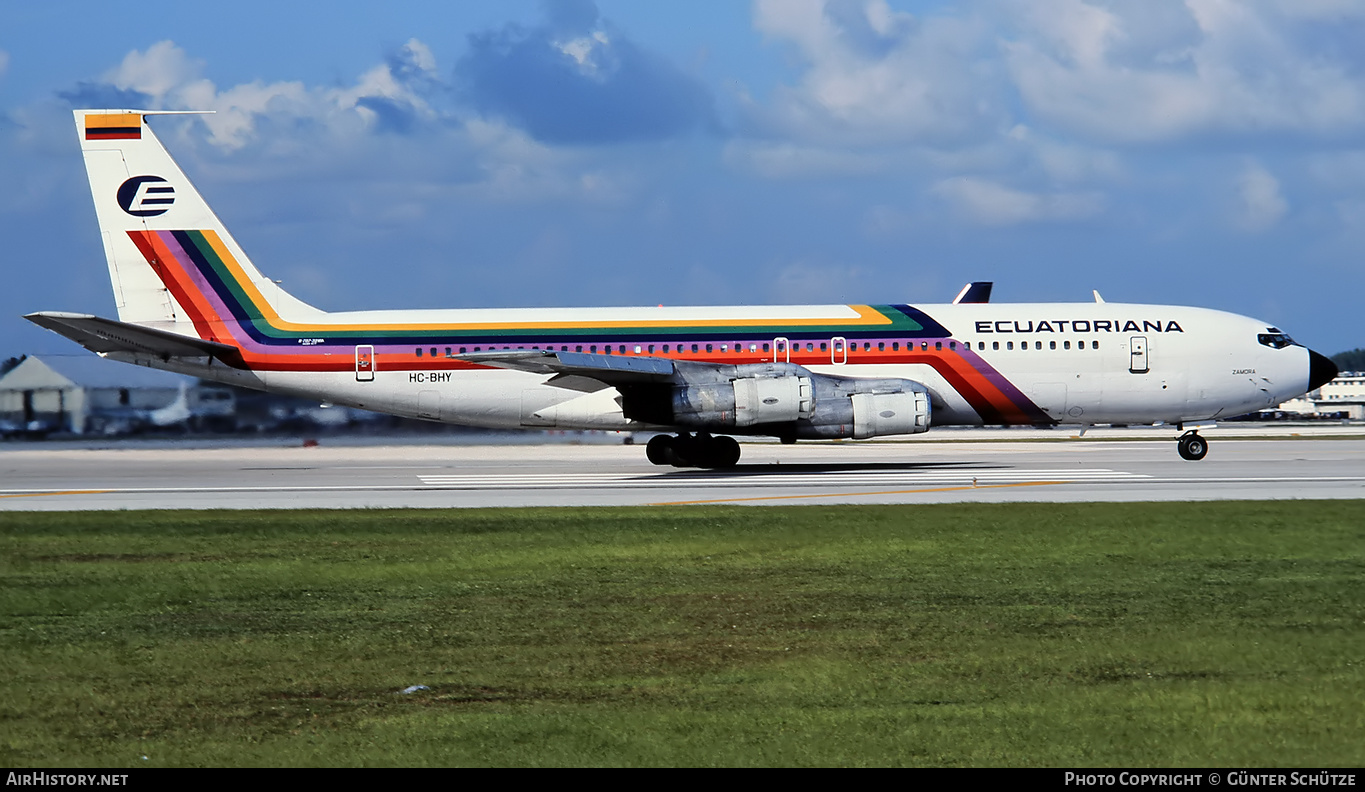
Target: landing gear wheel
pixel 700 450
pixel 659 450
pixel 724 452
pixel 1192 447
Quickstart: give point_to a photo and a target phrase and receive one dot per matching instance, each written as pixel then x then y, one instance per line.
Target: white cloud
pixel 989 203
pixel 1260 203
pixel 874 75
pixel 1158 71
pixel 173 80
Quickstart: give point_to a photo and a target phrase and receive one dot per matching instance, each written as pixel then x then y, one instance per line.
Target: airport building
pixel 86 394
pixel 1344 396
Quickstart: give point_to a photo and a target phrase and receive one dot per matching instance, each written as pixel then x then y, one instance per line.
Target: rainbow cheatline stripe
pixel 226 307
pixel 114 126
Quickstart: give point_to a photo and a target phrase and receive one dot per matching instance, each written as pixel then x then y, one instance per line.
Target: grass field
pixel 1226 634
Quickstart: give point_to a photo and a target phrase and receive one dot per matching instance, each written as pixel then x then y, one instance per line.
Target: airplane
pixel 190 301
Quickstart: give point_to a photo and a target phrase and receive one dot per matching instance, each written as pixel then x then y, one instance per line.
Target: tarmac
pixel 1137 464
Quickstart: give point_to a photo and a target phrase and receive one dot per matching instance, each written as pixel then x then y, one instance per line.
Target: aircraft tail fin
pixel 974 292
pixel 172 263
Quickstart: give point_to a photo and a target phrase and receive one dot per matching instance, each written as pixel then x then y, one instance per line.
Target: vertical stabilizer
pixel 139 192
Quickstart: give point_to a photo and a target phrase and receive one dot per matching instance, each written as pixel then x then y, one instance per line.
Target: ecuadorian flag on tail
pixel 115 126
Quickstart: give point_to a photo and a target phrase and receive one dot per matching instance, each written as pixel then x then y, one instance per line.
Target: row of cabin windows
pixel 646 349
pixel 810 347
pixel 981 345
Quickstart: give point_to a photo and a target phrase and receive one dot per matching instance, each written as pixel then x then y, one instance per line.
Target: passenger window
pixel 462 350
pixel 995 345
pixel 607 349
pixel 924 346
pixel 1066 345
pixel 823 347
pixel 419 351
pixel 952 345
pixel 694 347
pixel 765 347
pixel 881 346
pixel 708 347
pixel 938 346
pixel 1052 344
pixel 1009 345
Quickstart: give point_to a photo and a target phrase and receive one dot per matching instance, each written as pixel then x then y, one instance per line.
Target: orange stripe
pixel 859 494
pixel 106 120
pixel 866 315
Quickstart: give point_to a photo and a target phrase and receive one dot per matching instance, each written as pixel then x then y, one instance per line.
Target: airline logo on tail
pixel 115 126
pixel 146 196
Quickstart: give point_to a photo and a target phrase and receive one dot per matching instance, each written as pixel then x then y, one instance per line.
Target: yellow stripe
pixel 106 120
pixel 66 492
pixel 866 314
pixel 859 494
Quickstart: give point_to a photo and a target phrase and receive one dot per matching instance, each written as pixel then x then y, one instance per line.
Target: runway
pixel 37 477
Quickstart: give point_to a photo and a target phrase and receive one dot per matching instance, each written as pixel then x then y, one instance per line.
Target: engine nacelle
pixel 862 408
pixel 743 402
pixel 790 401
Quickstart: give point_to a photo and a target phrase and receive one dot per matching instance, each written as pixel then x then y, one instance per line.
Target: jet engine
pixel 781 399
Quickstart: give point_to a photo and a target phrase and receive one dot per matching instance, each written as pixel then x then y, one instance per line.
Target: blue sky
pixel 571 152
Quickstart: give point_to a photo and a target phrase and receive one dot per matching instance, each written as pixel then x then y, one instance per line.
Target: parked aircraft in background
pixel 189 300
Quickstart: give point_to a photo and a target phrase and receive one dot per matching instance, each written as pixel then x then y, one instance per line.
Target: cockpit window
pixel 1276 338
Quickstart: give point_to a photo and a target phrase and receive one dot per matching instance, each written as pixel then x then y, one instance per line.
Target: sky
pixel 716 152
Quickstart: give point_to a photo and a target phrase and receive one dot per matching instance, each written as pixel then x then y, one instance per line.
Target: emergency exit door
pixel 1137 355
pixel 364 363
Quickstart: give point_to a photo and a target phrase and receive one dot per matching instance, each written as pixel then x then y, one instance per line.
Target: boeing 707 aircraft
pixel 190 301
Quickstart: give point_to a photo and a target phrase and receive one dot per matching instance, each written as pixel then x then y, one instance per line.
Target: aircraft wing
pixel 106 335
pixel 580 371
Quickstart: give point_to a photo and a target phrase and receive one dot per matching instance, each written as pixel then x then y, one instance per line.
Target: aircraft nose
pixel 1321 370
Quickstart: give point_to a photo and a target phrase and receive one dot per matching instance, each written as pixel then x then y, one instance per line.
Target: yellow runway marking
pixel 64 492
pixel 861 494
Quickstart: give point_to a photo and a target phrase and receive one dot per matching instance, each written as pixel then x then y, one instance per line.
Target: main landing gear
pixel 687 450
pixel 1192 446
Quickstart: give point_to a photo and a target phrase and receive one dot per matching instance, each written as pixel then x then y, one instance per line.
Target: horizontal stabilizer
pixel 106 335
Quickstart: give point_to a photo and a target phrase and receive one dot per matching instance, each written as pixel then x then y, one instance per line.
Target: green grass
pixel 1021 635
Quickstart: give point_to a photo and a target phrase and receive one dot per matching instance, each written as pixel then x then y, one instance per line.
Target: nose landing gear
pixel 1192 447
pixel 699 450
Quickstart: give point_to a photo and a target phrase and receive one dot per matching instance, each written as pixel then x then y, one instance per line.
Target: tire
pixel 724 452
pixel 1192 447
pixel 659 450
